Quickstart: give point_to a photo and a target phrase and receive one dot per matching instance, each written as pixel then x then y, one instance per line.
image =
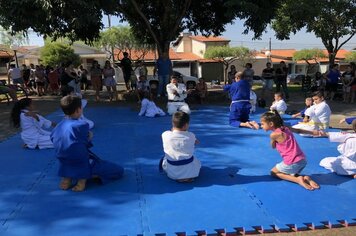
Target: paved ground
pixel 48 104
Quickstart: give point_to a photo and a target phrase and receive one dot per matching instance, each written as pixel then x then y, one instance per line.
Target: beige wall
pixel 180 47
pixel 185 45
pixel 198 48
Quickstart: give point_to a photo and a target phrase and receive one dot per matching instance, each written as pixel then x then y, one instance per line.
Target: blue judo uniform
pixel 240 102
pixel 71 143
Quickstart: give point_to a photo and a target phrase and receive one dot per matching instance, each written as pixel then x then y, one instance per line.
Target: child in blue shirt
pixel 72 139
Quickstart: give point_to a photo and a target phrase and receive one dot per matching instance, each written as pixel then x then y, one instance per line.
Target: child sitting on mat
pixel 293 157
pixel 148 107
pixel 70 91
pixel 72 140
pixel 319 115
pixel 345 164
pixel 301 113
pixel 178 145
pixel 32 133
pixel 279 104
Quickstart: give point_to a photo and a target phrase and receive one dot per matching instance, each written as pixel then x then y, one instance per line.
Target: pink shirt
pixel 289 149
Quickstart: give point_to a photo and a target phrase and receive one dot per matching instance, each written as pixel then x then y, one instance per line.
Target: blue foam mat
pixel 233 190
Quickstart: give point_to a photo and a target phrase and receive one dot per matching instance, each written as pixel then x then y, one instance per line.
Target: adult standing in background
pixel 281 79
pixel 248 73
pixel 96 77
pixel 109 81
pixel 267 76
pixel 332 80
pixel 126 66
pixel 164 71
pixel 15 75
pixel 231 74
pixel 83 74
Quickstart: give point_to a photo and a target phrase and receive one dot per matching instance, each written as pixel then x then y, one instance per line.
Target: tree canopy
pixel 227 55
pixel 8 39
pixel 123 40
pixel 351 57
pixel 333 21
pixel 310 56
pixel 154 21
pixel 56 53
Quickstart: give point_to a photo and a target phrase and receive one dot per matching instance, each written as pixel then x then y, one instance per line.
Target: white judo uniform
pixel 32 132
pixel 280 106
pixel 178 146
pixel 149 109
pixel 82 117
pixel 253 101
pixel 345 164
pixel 176 101
pixel 319 118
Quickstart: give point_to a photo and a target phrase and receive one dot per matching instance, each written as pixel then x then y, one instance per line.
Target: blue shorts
pixel 292 169
pixel 268 84
pixel 18 81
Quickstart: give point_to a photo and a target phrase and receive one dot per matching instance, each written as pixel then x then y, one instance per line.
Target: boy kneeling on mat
pixel 178 145
pixel 72 139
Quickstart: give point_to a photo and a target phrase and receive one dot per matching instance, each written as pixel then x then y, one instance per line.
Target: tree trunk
pixel 163 48
pixel 226 67
pixel 332 55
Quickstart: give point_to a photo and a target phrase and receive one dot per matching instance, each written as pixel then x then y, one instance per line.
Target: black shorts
pixel 127 77
pixel 331 87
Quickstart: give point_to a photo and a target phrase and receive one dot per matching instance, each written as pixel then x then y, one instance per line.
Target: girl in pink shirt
pixel 293 157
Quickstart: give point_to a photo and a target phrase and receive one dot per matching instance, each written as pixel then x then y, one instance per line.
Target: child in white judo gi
pixel 319 115
pixel 279 104
pixel 178 145
pixel 177 93
pixel 148 107
pixel 345 163
pixel 253 101
pixel 32 133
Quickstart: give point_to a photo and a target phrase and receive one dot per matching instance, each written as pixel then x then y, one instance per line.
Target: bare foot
pixel 80 186
pixel 304 184
pixel 247 125
pixel 311 182
pixel 65 184
pixel 254 124
pixel 354 176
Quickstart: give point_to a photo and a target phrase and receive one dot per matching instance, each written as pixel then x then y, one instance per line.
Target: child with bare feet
pixel 178 145
pixel 345 164
pixel 72 139
pixel 293 157
pixel 240 107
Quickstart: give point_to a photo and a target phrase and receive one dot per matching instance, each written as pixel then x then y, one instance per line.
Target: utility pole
pixel 270 50
pixel 112 48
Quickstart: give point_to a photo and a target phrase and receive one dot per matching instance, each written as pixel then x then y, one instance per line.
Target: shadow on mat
pixel 158 184
pixel 330 179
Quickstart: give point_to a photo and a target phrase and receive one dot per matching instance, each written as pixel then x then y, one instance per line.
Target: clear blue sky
pixel 234 33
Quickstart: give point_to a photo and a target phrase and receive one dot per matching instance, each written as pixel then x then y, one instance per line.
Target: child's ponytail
pixel 16 111
pixel 274 117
